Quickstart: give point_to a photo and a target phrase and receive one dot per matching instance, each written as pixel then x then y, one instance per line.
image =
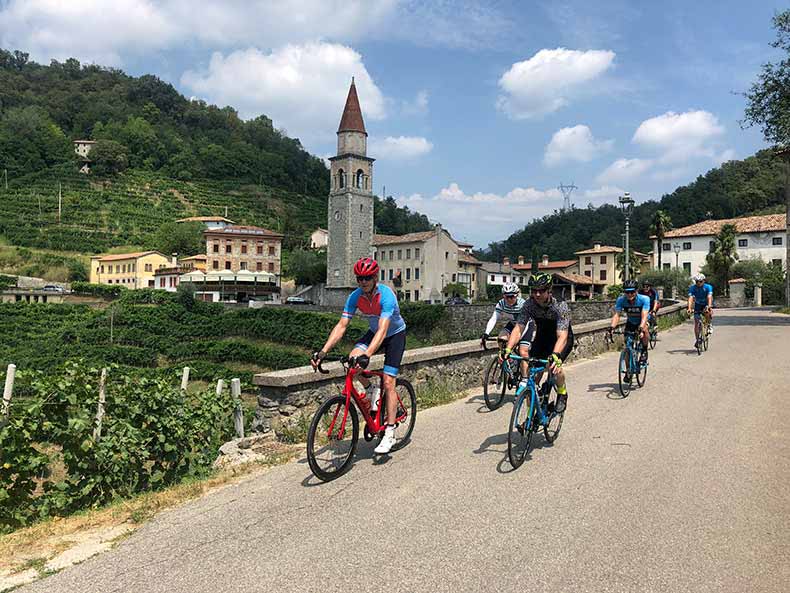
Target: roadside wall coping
pixel 305 374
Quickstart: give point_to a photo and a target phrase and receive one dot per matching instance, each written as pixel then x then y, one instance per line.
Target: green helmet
pixel 540 280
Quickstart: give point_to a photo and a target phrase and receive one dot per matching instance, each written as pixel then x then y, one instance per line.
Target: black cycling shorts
pixel 543 348
pixel 631 327
pixel 508 329
pixel 393 348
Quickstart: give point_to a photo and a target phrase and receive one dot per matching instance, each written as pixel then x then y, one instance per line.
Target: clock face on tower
pixel 337 215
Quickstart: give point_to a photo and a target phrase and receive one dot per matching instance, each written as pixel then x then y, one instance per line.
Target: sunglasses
pixel 539 290
pixel 630 292
pixel 365 278
pixel 510 296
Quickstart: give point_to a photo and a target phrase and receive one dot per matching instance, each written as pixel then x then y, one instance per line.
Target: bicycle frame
pixel 536 367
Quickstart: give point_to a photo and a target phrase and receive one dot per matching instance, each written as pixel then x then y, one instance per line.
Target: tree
pixel 535 260
pixel 719 262
pixel 455 288
pixel 109 157
pixel 306 266
pixel 633 264
pixel 183 238
pixel 659 227
pixel 769 107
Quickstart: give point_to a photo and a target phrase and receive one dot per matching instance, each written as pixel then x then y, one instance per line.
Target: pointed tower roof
pixel 352 114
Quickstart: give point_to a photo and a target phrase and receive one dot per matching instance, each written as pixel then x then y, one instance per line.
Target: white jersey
pixel 504 312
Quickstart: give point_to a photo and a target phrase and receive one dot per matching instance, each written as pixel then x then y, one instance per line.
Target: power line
pixel 566 190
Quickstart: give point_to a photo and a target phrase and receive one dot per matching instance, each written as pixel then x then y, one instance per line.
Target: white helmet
pixel 510 288
pixel 699 278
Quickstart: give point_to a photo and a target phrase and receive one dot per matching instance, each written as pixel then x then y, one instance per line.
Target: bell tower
pixel 350 216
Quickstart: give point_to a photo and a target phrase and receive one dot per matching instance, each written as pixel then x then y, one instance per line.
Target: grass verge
pixel 784 311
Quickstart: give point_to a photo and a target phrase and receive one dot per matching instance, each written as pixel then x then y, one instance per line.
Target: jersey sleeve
pixel 351 304
pixel 523 316
pixel 388 304
pixel 645 303
pixel 492 321
pixel 708 289
pixel 563 317
pixel 691 290
pixel 618 304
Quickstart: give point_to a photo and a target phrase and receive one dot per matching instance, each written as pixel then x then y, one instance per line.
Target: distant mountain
pixel 736 188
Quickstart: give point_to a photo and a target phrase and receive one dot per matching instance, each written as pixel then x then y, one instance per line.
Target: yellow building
pixel 600 263
pixel 132 270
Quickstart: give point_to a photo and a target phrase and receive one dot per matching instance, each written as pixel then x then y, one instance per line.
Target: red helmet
pixel 366 266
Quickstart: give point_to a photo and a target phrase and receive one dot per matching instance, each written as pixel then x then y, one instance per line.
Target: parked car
pixel 456 300
pixel 297 300
pixel 53 288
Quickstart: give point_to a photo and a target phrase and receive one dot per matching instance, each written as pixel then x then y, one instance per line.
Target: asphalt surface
pixel 683 486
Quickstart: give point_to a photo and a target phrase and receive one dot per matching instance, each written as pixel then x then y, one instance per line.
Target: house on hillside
pixel 424 263
pixel 83 149
pixel 600 263
pixel 211 222
pixel 760 237
pixel 132 270
pixel 319 239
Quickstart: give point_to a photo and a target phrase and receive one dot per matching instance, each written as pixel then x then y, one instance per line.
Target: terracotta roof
pixel 408 238
pixel 195 257
pixel 468 258
pixel 117 256
pixel 352 113
pixel 240 229
pixel 748 224
pixel 601 249
pixel 465 244
pixel 552 265
pixel 205 219
pixel 577 278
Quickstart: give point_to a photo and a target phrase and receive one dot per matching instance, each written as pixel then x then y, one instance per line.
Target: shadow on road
pixel 722 319
pixel 483 408
pixel 611 390
pixel 498 444
pixel 364 452
pixel 687 352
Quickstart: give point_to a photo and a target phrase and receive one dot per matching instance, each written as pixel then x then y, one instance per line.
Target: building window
pixel 259 248
pixel 392 255
pixel 408 273
pixel 743 242
pixel 416 295
pixel 602 275
pixel 150 283
pixel 390 274
pixel 271 267
pixel 408 254
pixel 687 267
pixel 666 246
pixel 588 260
pixel 446 255
pixel 227 265
pixel 134 267
pixel 416 273
pixel 603 259
pixel 400 253
pixel 416 255
pixel 408 295
pixel 686 245
pixel 381 255
pixel 101 268
pixel 711 246
pixel 341 178
pixel 259 266
pixel 777 262
pixel 588 273
pixel 504 279
pixel 228 248
pixel 216 247
pixel 162 282
pixel 271 250
pixel 382 276
pixel 243 265
pixel 149 267
pixel 492 277
pixel 244 247
pixel 776 241
pixel 667 266
pixel 215 264
pixel 453 277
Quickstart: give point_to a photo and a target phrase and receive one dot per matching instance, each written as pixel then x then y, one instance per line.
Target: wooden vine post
pixel 8 389
pixel 238 412
pixel 100 409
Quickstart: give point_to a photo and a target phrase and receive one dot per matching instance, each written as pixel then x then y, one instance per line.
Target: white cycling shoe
pixel 386 444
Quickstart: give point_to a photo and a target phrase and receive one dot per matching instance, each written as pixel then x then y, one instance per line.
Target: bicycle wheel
pixel 653 337
pixel 641 371
pixel 552 430
pixel 624 376
pixel 330 453
pixel 407 413
pixel 520 430
pixel 705 338
pixel 494 385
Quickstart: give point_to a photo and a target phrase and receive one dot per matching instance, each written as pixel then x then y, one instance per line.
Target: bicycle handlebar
pixel 346 361
pixel 489 339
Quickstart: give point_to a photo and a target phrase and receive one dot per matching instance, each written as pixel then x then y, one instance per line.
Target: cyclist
pixel 651 293
pixel 700 303
pixel 636 307
pixel 387 330
pixel 545 324
pixel 506 309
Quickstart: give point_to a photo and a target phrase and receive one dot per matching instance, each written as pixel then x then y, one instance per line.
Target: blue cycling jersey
pixel 633 309
pixel 382 304
pixel 700 294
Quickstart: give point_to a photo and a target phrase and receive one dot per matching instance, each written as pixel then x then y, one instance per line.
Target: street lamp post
pixel 676 247
pixel 627 205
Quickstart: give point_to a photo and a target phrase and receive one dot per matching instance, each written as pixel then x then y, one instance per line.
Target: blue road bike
pixel 630 366
pixel 533 409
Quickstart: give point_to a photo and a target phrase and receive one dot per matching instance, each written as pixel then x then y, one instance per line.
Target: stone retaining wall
pixel 285 396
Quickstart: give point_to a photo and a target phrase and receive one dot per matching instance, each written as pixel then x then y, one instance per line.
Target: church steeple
pixel 352 121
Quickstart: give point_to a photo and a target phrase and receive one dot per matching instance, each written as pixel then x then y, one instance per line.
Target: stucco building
pixel 239 248
pixel 600 263
pixel 760 237
pixel 132 270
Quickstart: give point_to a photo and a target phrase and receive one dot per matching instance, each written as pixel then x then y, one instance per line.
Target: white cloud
pixel 574 144
pixel 624 170
pixel 419 106
pixel 302 88
pixel 90 30
pixel 400 148
pixel 680 136
pixel 726 155
pixel 548 80
pixel 483 217
pixel 604 193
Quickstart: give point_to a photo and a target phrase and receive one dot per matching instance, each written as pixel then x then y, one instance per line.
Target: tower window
pixel 358 178
pixel 341 178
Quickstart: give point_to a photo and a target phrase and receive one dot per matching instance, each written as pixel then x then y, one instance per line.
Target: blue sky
pixel 476 111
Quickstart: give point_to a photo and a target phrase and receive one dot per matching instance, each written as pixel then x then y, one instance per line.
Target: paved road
pixel 684 486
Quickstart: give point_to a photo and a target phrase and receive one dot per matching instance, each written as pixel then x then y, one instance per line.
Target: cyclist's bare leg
pixel 523 351
pixel 392 399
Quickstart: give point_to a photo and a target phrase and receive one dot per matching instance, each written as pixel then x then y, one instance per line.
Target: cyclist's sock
pixel 562 390
pixel 523 384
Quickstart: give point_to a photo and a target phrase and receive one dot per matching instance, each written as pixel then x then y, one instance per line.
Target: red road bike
pixel 331 442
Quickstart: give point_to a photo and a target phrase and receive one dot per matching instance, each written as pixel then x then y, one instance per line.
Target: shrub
pixel 102 290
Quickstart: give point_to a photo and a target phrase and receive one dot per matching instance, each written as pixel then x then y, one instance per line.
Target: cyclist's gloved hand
pixel 503 356
pixel 316 358
pixel 555 360
pixel 363 360
pixel 483 339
